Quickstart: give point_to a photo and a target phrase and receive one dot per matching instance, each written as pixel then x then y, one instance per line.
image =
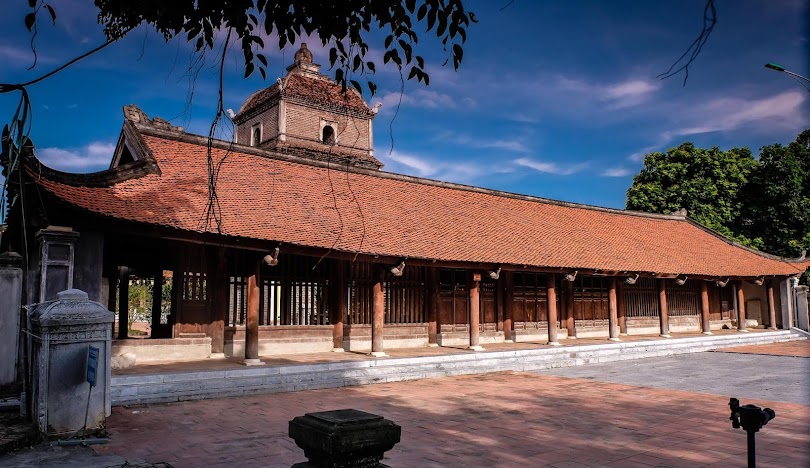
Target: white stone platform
pixel 221 378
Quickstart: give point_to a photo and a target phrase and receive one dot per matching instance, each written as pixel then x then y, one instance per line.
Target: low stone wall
pixel 164 349
pixel 358 337
pixel 652 326
pixel 284 339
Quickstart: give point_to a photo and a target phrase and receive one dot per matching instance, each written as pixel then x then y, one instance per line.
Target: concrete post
pixel 11 284
pixel 378 313
pixel 741 308
pixel 337 310
pixel 64 332
pixel 771 306
pixel 252 319
pixel 613 311
pixel 475 313
pixel 705 318
pixel 551 289
pixel 569 315
pixel 663 313
pixel 509 306
pixel 622 309
pixel 786 296
pixel 801 308
pixel 433 306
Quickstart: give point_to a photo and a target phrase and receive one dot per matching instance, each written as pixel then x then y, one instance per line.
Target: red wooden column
pixel 663 315
pixel 475 313
pixel 509 305
pixel 771 307
pixel 252 319
pixel 705 318
pixel 613 311
pixel 551 290
pixel 337 309
pixel 378 313
pixel 740 308
pixel 433 306
pixel 569 313
pixel 622 310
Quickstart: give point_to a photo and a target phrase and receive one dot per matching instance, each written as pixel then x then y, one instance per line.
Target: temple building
pixel 294 239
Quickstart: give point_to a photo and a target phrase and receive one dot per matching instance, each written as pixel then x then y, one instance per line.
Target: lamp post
pixel 795 76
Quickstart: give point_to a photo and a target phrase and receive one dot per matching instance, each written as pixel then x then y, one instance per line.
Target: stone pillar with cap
pixel 70 365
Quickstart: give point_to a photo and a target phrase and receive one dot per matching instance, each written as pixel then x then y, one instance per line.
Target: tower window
pixel 328 136
pixel 256 135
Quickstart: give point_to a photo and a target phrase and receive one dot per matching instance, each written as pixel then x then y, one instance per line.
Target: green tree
pixel 708 183
pixel 776 205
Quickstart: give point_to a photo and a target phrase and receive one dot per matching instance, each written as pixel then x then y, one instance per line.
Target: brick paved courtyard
pixel 505 419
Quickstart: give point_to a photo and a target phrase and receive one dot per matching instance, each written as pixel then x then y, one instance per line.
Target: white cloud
pixel 484 141
pixel 780 111
pixel 424 98
pixel 616 172
pixel 550 167
pixel 616 95
pixel 94 156
pixel 445 170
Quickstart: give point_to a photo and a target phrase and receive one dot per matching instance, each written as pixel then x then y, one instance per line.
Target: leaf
pixel 422 12
pixel 30 19
pixel 371 66
pixel 32 3
pixel 372 87
pixel 52 12
pixel 357 86
pixel 249 67
pixel 262 59
pixel 264 75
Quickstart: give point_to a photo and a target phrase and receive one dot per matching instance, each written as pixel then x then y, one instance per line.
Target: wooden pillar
pixel 433 306
pixel 378 313
pixel 740 308
pixel 509 305
pixel 622 309
pixel 123 303
pixel 339 304
pixel 569 313
pixel 551 290
pixel 613 311
pixel 663 313
pixel 157 300
pixel 475 312
pixel 771 307
pixel 252 319
pixel 705 317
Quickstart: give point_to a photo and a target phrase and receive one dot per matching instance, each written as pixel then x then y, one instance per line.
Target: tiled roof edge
pixel 798 261
pixel 268 153
pixel 138 168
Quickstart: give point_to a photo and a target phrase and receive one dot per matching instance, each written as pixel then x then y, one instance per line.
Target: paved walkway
pixel 502 419
pixel 489 420
pixel 788 348
pixel 741 375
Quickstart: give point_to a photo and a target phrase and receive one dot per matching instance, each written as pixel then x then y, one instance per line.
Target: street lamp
pixel 795 76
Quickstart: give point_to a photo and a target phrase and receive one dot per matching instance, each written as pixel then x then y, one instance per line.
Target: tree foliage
pixel 763 203
pixel 707 182
pixel 347 27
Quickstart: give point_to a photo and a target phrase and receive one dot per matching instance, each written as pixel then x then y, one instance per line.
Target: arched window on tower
pixel 328 136
pixel 256 136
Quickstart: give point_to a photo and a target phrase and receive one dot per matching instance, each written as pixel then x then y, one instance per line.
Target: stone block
pixel 343 438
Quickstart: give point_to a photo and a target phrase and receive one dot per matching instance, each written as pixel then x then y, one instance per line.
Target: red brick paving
pixel 504 420
pixel 790 348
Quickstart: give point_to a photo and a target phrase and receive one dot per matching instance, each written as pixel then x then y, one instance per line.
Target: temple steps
pixel 183 386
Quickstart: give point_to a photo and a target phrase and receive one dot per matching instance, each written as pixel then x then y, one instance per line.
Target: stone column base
pixel 377 354
pixel 251 362
pixel 476 348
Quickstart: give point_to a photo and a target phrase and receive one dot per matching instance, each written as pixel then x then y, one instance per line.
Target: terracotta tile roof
pixel 374 213
pixel 311 89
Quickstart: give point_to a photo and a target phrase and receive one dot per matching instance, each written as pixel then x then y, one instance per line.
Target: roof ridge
pixel 269 153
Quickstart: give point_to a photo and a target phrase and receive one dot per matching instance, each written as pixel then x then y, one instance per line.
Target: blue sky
pixel 554 99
